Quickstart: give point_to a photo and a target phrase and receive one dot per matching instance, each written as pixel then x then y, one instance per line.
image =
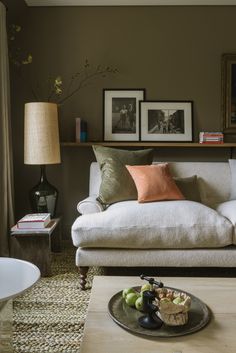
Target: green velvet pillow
pixel 189 188
pixel 117 184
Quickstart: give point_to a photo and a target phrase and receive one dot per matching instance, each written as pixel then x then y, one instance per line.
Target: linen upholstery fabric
pixel 117 184
pixel 189 188
pixel 232 164
pixel 210 175
pixel 228 210
pixel 161 225
pixel 221 257
pixel 90 205
pixel 154 183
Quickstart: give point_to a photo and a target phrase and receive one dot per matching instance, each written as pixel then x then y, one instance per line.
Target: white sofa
pixel 160 234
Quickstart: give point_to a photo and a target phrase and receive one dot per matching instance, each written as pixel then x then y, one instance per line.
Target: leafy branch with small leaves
pixel 58 89
pixel 78 80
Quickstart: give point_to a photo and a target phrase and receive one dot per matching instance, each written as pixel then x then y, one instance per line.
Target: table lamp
pixel 41 147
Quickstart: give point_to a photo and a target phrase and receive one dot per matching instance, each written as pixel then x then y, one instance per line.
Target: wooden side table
pixel 37 245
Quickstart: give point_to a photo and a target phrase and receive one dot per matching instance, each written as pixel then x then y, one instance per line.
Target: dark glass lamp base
pixel 43 196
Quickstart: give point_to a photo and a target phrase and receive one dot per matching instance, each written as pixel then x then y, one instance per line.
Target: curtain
pixel 6 168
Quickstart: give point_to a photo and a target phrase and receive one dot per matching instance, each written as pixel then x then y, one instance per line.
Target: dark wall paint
pixel 173 52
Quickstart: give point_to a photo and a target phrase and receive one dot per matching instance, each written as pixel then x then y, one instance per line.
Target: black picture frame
pixel 166 121
pixel 228 93
pixel 121 114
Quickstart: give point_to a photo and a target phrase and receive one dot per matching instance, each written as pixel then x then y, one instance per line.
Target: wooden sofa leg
pixel 83 270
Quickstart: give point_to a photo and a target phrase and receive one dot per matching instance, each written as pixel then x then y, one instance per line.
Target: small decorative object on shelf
pixel 81 130
pixel 34 221
pixel 77 129
pixel 211 137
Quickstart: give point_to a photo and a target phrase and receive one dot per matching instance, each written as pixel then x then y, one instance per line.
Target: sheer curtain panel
pixel 6 170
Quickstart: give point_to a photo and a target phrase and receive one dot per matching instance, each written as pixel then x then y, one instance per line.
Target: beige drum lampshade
pixel 41 135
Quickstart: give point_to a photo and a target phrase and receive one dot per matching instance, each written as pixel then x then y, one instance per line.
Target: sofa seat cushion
pixel 228 210
pixel 158 225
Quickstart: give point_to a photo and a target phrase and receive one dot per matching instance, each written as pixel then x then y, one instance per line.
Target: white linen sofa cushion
pixel 228 210
pixel 90 205
pixel 165 224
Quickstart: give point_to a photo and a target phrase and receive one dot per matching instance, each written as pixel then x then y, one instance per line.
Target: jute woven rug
pixel 50 316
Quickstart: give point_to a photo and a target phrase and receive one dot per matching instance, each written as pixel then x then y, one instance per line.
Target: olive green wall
pixel 173 52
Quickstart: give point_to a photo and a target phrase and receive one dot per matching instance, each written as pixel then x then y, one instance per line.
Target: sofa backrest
pixel 213 179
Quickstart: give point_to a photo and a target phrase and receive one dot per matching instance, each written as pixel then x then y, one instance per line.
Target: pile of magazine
pixel 34 221
pixel 211 137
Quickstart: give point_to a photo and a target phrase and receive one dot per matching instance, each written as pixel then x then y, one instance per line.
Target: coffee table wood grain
pixel 103 335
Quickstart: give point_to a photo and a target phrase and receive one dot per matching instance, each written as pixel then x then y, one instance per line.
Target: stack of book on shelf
pixel 211 137
pixel 33 222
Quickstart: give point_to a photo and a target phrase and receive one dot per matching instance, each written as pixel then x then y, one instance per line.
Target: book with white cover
pixel 34 221
pixel 47 230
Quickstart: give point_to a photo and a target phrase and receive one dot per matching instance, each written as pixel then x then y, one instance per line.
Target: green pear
pixel 139 304
pixel 131 298
pixel 127 291
pixel 146 286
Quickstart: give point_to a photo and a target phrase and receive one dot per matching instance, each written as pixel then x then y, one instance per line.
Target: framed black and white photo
pixel 121 114
pixel 166 121
pixel 229 93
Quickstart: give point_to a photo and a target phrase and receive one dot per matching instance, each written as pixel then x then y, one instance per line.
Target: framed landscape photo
pixel 166 121
pixel 229 93
pixel 121 114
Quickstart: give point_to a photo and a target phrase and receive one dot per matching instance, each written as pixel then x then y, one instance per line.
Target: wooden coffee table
pixel 103 335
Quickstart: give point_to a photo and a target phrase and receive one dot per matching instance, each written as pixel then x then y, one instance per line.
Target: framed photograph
pixel 166 121
pixel 229 93
pixel 121 114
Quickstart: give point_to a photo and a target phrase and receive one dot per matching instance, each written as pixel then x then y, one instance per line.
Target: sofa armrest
pixel 90 205
pixel 228 210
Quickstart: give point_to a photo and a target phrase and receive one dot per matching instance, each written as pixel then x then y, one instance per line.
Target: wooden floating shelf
pixel 149 144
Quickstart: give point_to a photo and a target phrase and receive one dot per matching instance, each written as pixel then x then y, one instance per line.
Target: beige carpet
pixel 50 317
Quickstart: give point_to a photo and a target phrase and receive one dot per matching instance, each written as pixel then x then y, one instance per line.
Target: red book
pixel 212 142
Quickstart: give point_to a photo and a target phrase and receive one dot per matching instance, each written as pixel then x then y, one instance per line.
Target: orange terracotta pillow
pixel 154 183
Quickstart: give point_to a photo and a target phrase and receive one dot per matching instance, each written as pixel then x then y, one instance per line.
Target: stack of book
pixel 34 220
pixel 211 137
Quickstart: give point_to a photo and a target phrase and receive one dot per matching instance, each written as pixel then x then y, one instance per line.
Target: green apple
pixel 139 304
pixel 131 298
pixel 146 286
pixel 177 300
pixel 127 291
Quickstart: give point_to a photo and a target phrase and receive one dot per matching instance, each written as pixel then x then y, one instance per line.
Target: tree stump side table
pixel 37 245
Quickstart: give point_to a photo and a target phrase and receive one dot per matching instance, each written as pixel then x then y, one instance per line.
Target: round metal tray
pixel 127 317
